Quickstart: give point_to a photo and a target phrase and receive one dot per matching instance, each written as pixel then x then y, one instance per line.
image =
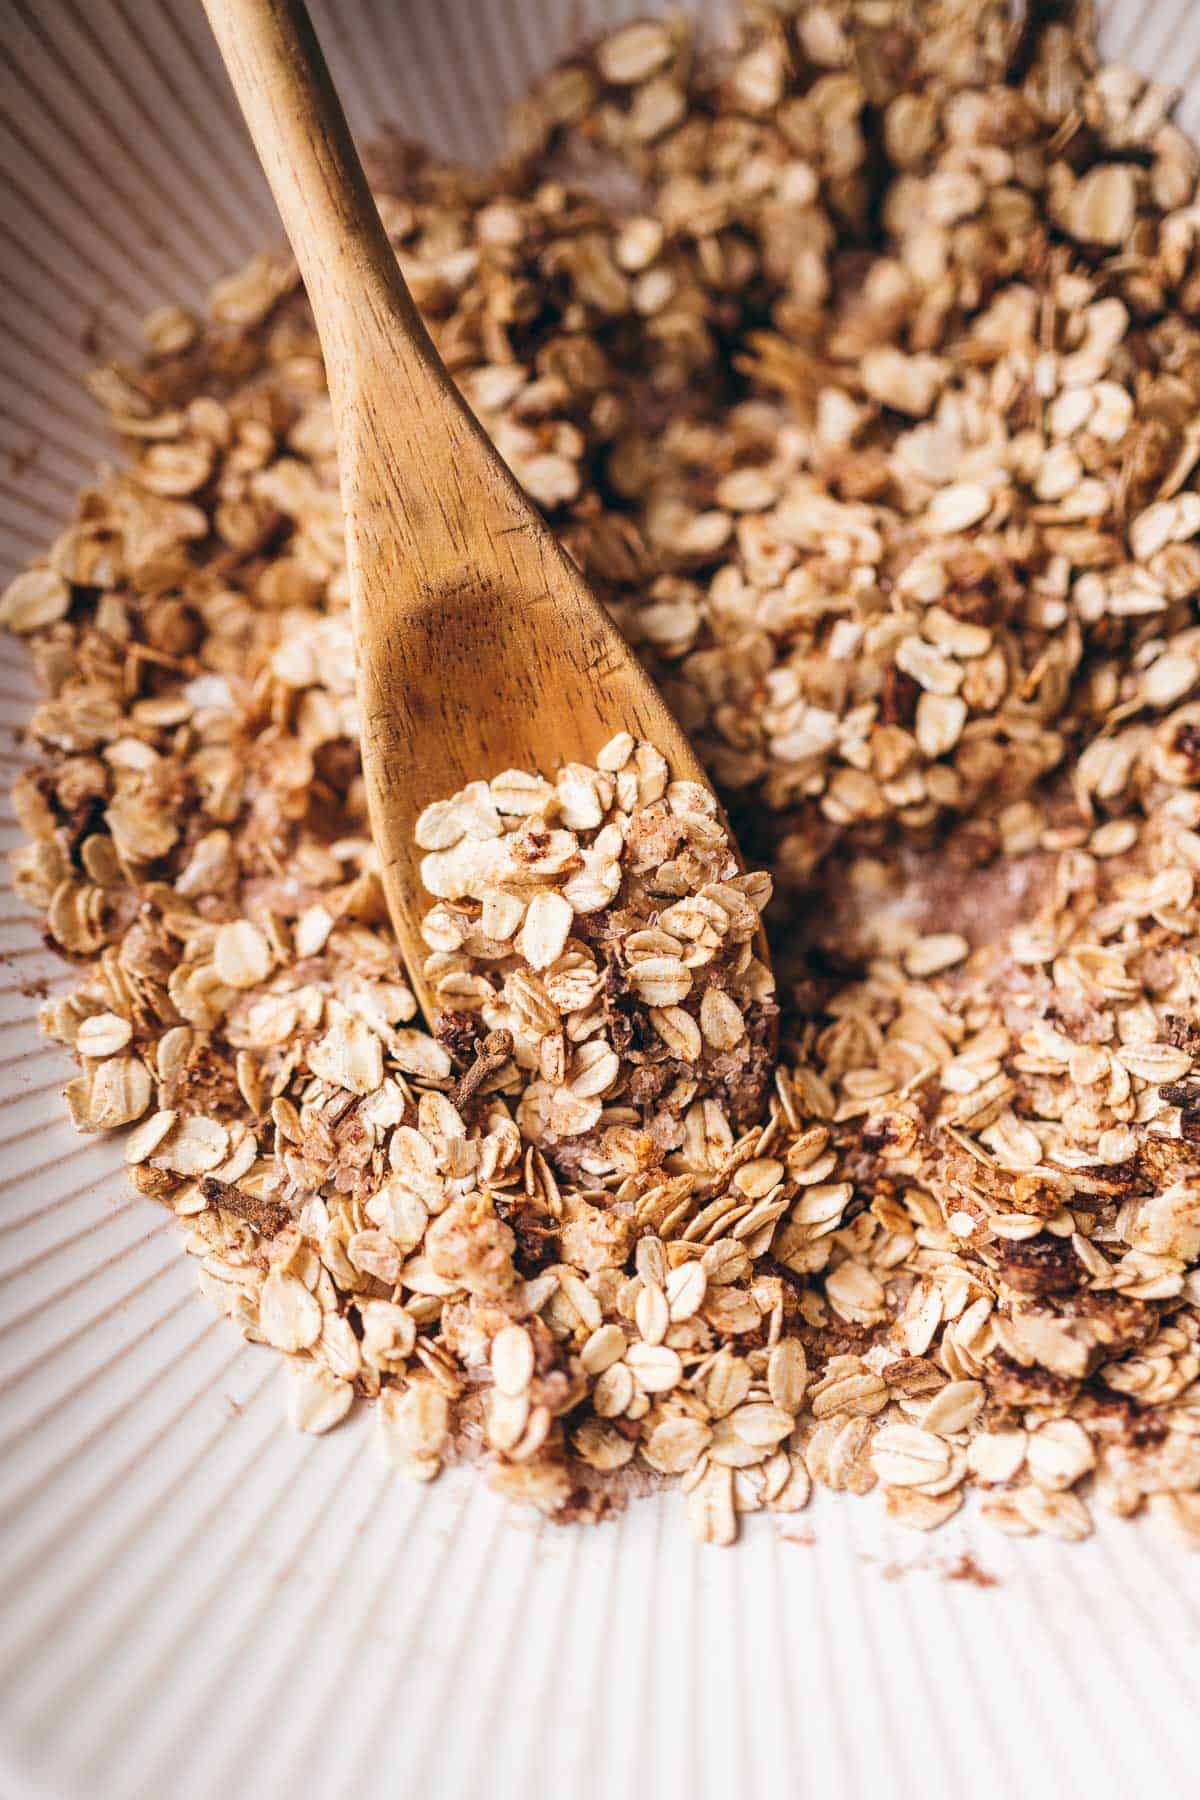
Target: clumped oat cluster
pixel 598 926
pixel 859 368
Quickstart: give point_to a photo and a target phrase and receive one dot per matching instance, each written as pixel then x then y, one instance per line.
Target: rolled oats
pixel 289 1317
pixel 922 592
pixel 103 1034
pixel 317 1400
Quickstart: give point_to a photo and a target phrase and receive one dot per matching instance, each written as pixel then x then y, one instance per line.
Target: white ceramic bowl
pixel 196 1602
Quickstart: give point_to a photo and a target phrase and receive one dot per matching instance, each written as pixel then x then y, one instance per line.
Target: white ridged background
pixel 196 1602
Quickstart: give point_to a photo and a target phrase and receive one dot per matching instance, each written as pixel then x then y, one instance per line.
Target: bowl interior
pixel 174 1567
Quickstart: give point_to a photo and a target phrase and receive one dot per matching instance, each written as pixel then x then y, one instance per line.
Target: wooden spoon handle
pixel 422 485
pixel 358 295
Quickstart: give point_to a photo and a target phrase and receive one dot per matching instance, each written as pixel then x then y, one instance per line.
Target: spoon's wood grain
pixel 480 647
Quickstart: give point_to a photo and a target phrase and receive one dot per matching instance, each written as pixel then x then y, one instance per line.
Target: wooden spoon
pixel 480 646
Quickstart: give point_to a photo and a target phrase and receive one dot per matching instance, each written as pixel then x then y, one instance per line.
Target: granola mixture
pixel 859 368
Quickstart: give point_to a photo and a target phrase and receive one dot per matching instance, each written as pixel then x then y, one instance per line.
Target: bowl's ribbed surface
pixel 197 1603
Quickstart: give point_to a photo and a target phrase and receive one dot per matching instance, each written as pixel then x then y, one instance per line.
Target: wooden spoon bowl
pixel 479 645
